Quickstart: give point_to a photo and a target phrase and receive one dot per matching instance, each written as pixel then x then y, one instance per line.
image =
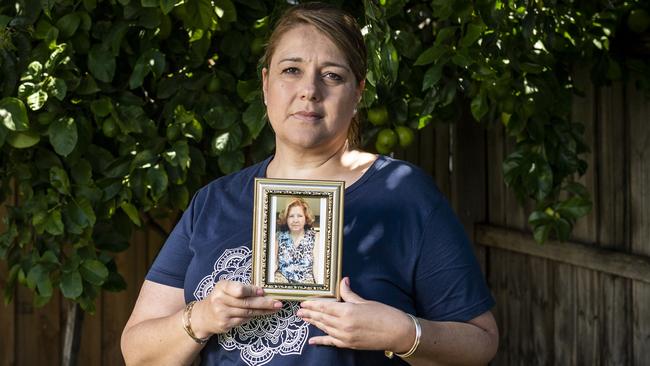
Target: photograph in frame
pixel 297 238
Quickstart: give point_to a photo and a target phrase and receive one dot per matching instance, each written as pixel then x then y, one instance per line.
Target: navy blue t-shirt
pixel 402 246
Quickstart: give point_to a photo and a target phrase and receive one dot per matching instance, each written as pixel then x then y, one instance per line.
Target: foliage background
pixel 114 112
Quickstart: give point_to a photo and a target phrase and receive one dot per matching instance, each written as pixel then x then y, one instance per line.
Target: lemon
pixel 387 138
pixel 213 85
pixel 638 20
pixel 378 116
pixel 109 127
pixel 405 136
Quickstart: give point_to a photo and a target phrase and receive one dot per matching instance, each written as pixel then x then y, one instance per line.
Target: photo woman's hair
pixel 296 202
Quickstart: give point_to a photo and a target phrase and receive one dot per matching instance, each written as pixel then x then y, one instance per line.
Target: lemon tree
pixel 112 113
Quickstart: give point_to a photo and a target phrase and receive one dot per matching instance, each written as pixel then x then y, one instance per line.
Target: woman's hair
pixel 339 27
pixel 296 202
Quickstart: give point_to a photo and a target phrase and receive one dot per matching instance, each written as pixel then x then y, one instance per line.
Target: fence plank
pixel 612 195
pixel 426 146
pixel 129 263
pixel 468 178
pixel 639 114
pixel 497 275
pixel 37 329
pixel 90 349
pixel 7 312
pixel 441 157
pixel 612 262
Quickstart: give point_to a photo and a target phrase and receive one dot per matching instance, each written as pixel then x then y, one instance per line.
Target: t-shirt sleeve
pixel 449 284
pixel 172 261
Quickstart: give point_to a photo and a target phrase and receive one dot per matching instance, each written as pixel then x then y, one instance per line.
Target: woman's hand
pixel 357 323
pixel 229 305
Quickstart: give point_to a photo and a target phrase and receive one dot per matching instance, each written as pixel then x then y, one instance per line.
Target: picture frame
pixel 298 238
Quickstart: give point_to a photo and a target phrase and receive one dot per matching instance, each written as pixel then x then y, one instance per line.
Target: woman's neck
pixel 341 163
pixel 296 236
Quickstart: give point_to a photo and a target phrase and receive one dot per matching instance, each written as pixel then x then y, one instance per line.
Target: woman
pixel 412 285
pixel 297 245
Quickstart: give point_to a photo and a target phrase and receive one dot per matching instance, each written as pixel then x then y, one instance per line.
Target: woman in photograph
pixel 296 244
pixel 412 290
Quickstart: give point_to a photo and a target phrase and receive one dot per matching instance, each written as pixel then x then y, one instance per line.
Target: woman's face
pixel 310 90
pixel 296 219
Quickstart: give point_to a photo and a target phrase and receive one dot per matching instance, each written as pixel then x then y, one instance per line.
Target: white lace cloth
pixel 260 339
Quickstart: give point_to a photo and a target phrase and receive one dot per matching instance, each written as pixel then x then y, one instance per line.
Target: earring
pixel 354 111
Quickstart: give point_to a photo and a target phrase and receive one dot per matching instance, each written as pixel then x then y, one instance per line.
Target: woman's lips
pixel 307 116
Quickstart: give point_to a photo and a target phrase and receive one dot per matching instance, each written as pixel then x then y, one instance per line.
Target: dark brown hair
pixel 339 27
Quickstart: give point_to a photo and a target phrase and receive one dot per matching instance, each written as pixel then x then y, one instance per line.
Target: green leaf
pixel 254 118
pixel 57 57
pixel 443 9
pixel 78 215
pixel 57 88
pixel 38 278
pixel 226 10
pixel 35 275
pixel 101 64
pixel 575 207
pixel 4 20
pixel 472 34
pixel 430 55
pixel 563 229
pixel 101 107
pixel 53 223
pixel 71 284
pixel 167 6
pixel 47 6
pixel 227 141
pixel 113 40
pixel 59 180
pixel 432 76
pixel 63 135
pixel 231 161
pixel 157 181
pixel 221 117
pixel 23 140
pixel 13 114
pixel 3 137
pixel 193 130
pixel 94 271
pixel 143 159
pixel 140 71
pixel 246 87
pixel 81 172
pixel 179 196
pixel 90 5
pixel 132 212
pixel 49 257
pixel 540 233
pixel 68 24
pixel 198 14
pixel 479 106
pixel 179 154
pixel 37 100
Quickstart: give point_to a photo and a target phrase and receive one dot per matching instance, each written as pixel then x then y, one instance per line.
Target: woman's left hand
pixel 357 323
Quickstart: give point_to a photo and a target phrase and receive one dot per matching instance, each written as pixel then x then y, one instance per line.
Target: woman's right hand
pixel 229 305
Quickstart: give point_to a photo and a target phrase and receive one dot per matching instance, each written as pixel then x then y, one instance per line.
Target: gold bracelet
pixel 187 324
pixel 418 335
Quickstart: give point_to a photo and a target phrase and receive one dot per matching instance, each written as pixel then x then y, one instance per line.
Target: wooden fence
pixel 584 302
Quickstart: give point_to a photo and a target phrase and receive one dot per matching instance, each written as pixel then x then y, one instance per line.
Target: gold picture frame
pixel 312 267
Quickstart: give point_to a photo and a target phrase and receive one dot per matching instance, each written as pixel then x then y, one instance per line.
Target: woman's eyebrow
pixel 326 63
